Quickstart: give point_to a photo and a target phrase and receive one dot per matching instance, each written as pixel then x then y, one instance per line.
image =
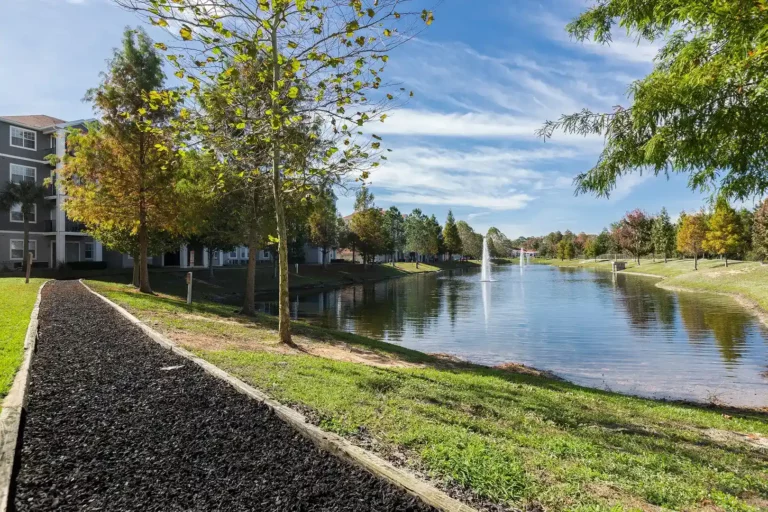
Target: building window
pixel 17 216
pixel 233 254
pixel 21 173
pixel 21 138
pixel 88 250
pixel 17 249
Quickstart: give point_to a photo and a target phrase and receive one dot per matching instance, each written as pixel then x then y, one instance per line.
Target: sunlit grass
pixel 16 302
pixel 507 438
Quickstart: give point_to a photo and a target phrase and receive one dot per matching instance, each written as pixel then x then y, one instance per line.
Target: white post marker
pixel 297 269
pixel 189 287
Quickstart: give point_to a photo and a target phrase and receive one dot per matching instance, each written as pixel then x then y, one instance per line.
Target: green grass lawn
pixel 16 302
pixel 506 438
pixel 748 279
pixel 228 283
pixel 673 267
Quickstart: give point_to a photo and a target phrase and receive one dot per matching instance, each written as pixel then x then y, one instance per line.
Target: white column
pixel 205 257
pixel 98 251
pixel 221 258
pixel 183 262
pixel 61 246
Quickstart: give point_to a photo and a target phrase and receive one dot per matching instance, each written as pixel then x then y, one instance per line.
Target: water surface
pixel 607 331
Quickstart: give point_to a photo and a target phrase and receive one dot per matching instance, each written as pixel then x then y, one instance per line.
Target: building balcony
pixel 70 226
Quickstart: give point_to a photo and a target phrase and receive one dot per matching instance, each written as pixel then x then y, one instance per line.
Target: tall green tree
pixel 760 230
pixel 212 214
pixel 26 195
pixel 420 235
pixel 471 242
pixel 122 172
pixel 745 222
pixel 323 223
pixel 702 111
pixel 367 224
pixel 663 234
pixel 451 237
pixel 321 61
pixel 394 228
pixel 723 235
pixel 566 249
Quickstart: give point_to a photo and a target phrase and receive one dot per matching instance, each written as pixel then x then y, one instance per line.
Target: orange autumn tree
pixel 120 174
pixel 691 235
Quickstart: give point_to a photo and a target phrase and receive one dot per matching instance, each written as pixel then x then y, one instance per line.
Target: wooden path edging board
pixel 327 441
pixel 13 409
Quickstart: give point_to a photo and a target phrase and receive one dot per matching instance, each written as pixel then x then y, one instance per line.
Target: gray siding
pixel 28 158
pixel 43 248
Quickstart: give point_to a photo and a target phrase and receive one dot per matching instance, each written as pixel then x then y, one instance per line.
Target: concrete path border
pixel 13 409
pixel 325 440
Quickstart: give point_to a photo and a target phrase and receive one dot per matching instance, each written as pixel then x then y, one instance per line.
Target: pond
pixel 615 332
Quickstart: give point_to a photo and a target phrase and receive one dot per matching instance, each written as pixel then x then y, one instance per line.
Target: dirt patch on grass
pixel 620 498
pixel 334 351
pixel 526 370
pixel 723 436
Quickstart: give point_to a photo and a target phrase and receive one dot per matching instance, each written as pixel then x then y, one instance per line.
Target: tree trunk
pixel 249 299
pixel 135 279
pixel 325 257
pixel 726 261
pixel 353 254
pixel 695 261
pixel 144 286
pixel 26 259
pixel 284 301
pixel 210 262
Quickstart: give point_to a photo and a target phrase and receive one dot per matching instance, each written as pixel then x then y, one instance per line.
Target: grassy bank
pixel 16 302
pixel 495 436
pixel 227 283
pixel 747 279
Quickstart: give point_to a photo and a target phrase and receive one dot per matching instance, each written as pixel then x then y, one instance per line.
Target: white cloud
pixel 482 177
pixel 627 48
pixel 499 203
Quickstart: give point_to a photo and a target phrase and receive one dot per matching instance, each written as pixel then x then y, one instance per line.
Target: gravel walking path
pixel 115 424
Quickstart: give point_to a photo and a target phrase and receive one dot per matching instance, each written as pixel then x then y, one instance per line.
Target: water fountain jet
pixel 485 275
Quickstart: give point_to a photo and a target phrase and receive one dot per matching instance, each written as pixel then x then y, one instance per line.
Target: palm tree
pixel 26 194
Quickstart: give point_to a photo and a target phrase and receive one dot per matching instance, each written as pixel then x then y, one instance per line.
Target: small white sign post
pixel 189 287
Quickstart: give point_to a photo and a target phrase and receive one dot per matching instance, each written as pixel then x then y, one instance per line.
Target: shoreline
pixel 751 305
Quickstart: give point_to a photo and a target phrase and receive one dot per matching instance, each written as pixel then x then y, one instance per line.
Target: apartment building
pixel 55 240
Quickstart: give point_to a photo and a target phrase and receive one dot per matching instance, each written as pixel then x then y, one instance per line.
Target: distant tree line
pixel 720 231
pixel 371 231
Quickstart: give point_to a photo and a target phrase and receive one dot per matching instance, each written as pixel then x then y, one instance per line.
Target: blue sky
pixel 485 75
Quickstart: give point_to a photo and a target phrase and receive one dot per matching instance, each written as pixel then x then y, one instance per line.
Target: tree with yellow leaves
pixel 120 173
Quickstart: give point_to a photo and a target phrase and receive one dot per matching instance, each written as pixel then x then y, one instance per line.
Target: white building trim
pixel 24 158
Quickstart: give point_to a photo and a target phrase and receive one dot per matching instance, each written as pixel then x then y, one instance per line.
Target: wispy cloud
pixel 481 177
pixel 629 48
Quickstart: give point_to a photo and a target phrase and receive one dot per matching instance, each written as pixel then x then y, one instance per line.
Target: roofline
pixel 46 129
pixel 66 125
pixel 16 123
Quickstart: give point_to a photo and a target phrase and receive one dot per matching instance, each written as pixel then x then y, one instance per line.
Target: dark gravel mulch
pixel 111 427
